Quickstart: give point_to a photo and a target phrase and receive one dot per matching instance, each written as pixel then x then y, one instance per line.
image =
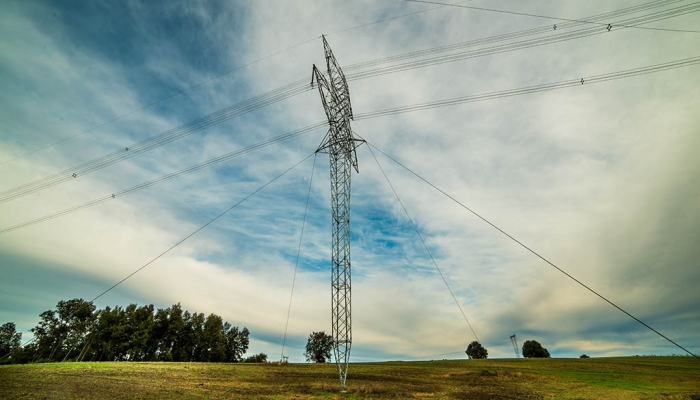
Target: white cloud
pixel 599 179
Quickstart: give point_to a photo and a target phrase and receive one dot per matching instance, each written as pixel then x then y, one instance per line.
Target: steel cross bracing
pixel 514 342
pixel 340 144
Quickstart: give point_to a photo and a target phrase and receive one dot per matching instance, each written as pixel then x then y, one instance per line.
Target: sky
pixel 600 179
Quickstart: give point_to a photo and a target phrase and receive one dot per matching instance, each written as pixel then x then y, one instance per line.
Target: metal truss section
pixel 514 342
pixel 341 145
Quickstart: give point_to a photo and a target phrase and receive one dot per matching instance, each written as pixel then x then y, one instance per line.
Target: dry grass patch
pixel 611 378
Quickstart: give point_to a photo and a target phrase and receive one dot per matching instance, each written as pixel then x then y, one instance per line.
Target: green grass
pixel 594 378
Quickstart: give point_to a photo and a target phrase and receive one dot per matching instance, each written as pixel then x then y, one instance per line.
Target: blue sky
pixel 601 179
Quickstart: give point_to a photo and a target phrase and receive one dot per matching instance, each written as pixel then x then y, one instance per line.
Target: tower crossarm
pixel 335 96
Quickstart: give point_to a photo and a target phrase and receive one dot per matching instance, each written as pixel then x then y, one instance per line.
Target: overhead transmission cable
pixel 604 18
pixel 185 238
pixel 519 45
pixel 424 244
pixel 533 89
pixel 161 139
pixel 545 16
pixel 201 227
pixel 11 352
pixel 293 89
pixel 296 263
pixel 531 250
pixel 575 82
pixel 200 84
pixel 164 178
pixel 393 18
pixel 196 85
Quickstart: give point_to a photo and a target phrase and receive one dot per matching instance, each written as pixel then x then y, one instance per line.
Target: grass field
pixel 595 378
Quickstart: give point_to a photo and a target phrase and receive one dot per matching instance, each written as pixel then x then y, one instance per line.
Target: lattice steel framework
pixel 514 342
pixel 340 144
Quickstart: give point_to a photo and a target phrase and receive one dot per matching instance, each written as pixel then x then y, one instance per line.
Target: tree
pixel 76 331
pixel 258 358
pixel 318 347
pixel 213 339
pixel 160 338
pixel 236 342
pixel 476 350
pixel 61 333
pixel 10 339
pixel 533 349
pixel 584 356
pixel 177 338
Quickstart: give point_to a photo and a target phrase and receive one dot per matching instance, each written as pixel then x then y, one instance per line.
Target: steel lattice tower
pixel 514 342
pixel 340 144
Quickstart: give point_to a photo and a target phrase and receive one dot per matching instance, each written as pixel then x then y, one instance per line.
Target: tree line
pixel 531 349
pixel 77 331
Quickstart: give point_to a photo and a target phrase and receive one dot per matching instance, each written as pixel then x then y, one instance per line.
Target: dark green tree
pixel 77 317
pixel 46 335
pixel 112 339
pixel 258 358
pixel 477 351
pixel 61 333
pixel 196 327
pixel 533 349
pixel 160 339
pixel 10 340
pixel 138 329
pixel 183 348
pixel 213 339
pixel 178 338
pixel 75 331
pixel 237 342
pixel 318 347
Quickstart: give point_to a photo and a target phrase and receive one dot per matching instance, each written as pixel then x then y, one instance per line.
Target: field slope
pixel 595 378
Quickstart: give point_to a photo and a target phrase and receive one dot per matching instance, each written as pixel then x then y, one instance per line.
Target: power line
pixel 200 228
pixel 393 18
pixel 382 113
pixel 164 178
pixel 547 16
pixel 515 35
pixel 532 251
pixel 519 45
pixel 32 340
pixel 184 239
pixel 161 139
pixel 296 263
pixel 159 101
pixel 298 87
pixel 424 244
pixel 534 89
pixel 196 85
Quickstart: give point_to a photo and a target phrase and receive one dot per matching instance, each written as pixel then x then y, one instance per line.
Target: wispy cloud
pixel 601 179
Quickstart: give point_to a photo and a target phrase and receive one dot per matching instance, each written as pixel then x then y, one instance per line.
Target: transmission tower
pixel 340 144
pixel 515 346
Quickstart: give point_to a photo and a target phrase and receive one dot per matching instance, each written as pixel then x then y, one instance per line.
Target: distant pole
pixel 515 346
pixel 340 144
